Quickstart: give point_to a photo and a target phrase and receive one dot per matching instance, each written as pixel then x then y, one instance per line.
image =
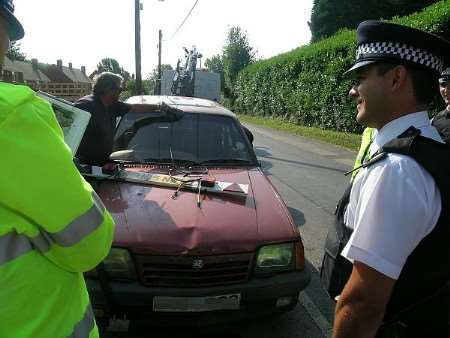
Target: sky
pixel 85 31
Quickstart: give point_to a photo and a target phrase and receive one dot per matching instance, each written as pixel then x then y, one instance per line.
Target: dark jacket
pixel 98 140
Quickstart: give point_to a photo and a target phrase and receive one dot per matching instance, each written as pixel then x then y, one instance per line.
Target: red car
pixel 199 226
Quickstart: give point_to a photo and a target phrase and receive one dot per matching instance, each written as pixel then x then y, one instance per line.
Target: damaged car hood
pixel 152 220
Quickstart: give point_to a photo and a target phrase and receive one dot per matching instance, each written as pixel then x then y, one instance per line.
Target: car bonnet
pixel 151 220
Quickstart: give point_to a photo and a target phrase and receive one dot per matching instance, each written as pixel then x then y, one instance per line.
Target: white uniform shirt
pixel 394 203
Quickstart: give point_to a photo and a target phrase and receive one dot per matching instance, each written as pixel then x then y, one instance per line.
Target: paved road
pixel 309 176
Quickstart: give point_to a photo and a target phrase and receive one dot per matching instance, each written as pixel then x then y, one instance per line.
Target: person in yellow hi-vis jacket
pixel 363 154
pixel 53 226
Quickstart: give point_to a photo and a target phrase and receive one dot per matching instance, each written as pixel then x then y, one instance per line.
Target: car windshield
pixel 192 139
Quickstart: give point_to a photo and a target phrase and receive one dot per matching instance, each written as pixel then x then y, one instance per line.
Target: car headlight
pixel 117 265
pixel 275 257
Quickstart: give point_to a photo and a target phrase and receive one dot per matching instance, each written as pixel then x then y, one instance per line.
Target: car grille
pixel 188 272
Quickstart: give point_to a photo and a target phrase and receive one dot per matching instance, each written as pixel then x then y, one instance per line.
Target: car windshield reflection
pixel 205 139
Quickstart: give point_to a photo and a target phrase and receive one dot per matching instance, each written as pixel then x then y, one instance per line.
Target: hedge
pixel 306 86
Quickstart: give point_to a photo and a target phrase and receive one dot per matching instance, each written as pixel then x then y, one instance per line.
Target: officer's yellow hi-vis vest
pixel 53 226
pixel 363 153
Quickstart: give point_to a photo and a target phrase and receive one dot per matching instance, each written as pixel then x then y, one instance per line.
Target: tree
pixel 215 64
pixel 14 52
pixel 237 54
pixel 153 78
pixel 111 65
pixel 328 16
pixel 148 84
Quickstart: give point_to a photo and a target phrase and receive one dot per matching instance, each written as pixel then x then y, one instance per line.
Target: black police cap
pixel 382 41
pixel 15 29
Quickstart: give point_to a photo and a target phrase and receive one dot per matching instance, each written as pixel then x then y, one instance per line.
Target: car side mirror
pixel 123 156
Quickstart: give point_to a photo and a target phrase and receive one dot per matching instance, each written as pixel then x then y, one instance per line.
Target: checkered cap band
pixel 399 51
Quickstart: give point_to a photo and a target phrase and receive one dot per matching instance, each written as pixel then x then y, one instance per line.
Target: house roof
pixel 49 73
pixel 75 75
pixel 9 65
pixel 29 73
pixel 55 74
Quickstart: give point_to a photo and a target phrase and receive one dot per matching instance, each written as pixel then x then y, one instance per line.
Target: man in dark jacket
pixel 442 120
pixel 104 106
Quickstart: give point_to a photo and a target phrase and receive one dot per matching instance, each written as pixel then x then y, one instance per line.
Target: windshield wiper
pixel 226 161
pixel 180 166
pixel 190 165
pixel 167 160
pixel 185 164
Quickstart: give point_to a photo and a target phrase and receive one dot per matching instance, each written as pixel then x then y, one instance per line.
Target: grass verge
pixel 346 140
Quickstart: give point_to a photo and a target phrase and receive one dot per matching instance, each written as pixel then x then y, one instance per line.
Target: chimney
pixel 34 64
pixel 59 64
pixel 83 70
pixel 70 65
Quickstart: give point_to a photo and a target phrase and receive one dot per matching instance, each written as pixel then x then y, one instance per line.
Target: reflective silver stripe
pixel 81 227
pixel 13 245
pixel 41 242
pixel 85 326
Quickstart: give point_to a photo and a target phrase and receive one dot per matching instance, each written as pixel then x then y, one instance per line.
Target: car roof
pixel 186 104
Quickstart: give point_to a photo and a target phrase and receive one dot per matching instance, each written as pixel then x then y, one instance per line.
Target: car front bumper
pixel 258 296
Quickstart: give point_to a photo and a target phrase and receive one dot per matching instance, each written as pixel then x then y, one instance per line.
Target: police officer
pixel 442 120
pixel 393 224
pixel 53 226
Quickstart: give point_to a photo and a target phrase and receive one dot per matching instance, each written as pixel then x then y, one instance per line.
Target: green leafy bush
pixel 306 86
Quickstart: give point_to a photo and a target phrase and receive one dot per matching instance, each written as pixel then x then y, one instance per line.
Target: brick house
pixel 66 82
pixel 23 72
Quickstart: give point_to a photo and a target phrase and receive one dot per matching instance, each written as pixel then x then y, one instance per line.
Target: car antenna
pixel 170 150
pixel 171 156
pixel 199 192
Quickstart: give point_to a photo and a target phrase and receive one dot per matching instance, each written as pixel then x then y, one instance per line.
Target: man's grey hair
pixel 106 81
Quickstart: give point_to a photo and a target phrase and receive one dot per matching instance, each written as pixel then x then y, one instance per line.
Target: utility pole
pixel 158 87
pixel 137 44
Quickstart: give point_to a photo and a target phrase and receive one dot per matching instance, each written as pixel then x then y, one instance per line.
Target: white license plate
pixel 196 304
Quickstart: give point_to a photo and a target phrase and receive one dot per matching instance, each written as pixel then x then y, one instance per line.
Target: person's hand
pixel 170 112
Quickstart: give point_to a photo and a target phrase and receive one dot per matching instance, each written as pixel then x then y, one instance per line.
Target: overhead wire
pixel 183 22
